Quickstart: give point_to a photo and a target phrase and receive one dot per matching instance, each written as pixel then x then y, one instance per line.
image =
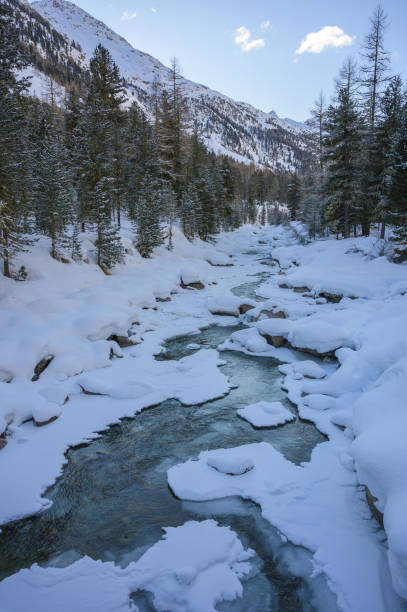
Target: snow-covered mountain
pixel 232 128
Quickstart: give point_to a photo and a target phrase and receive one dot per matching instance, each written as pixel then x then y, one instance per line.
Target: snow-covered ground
pixel 76 315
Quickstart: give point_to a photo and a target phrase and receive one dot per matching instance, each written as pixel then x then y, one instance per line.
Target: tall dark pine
pixel 397 191
pixel 172 131
pixel 342 155
pixel 54 202
pixel 374 69
pixel 294 196
pixel 391 106
pixel 100 180
pixel 13 203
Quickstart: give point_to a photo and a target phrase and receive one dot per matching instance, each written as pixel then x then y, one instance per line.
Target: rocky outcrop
pixel 193 285
pixel 371 499
pixel 42 423
pixel 243 308
pixel 122 341
pixel 41 366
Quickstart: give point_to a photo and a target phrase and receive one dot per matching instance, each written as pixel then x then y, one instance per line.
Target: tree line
pixel 82 166
pixel 360 175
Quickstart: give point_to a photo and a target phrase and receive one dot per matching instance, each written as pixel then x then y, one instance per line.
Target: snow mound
pixel 266 414
pixel 319 336
pixel 194 567
pixel 235 466
pixel 307 368
pixel 248 339
pixel 229 305
pixel 274 327
pixel 219 259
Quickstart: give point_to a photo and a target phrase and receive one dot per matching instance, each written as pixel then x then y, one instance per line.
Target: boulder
pixel 371 499
pixel 122 341
pixel 276 341
pixel 194 285
pixel 41 366
pixel 42 423
pixel 243 308
pixel 272 314
pixel 303 289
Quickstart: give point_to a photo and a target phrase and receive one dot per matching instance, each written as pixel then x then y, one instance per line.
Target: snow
pixel 220 259
pixel 189 275
pixel 192 568
pixel 227 305
pixel 316 506
pixel 234 466
pixel 307 368
pixel 249 339
pixel 266 414
pixel 69 312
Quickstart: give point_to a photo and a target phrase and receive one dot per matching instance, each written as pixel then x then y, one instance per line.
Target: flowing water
pixel 112 498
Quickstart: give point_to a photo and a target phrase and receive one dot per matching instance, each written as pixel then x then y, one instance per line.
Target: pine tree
pixel 54 191
pixel 172 131
pixel 13 167
pixel 294 196
pixel 190 211
pixel 342 157
pixel 390 105
pixel 147 216
pixel 108 243
pixel 99 179
pixel 397 186
pixel 374 70
pixel 76 251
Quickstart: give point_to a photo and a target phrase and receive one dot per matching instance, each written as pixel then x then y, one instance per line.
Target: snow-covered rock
pixel 229 305
pixel 235 466
pixel 266 414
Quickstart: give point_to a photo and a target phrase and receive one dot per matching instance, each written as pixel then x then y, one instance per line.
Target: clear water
pixel 112 498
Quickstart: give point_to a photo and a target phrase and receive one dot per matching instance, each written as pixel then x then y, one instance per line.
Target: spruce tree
pixel 13 124
pixel 99 179
pixel 374 69
pixel 294 197
pixel 54 191
pixel 397 186
pixel 342 157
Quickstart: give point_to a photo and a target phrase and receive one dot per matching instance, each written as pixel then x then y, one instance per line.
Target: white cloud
pixel 329 36
pixel 126 16
pixel 266 25
pixel 154 10
pixel 242 39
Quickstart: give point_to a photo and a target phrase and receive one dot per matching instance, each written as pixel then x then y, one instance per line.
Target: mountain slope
pixel 228 127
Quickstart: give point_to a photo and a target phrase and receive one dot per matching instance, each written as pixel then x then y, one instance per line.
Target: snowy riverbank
pixel 77 316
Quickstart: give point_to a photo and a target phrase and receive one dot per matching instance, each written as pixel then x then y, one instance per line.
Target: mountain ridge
pixel 228 127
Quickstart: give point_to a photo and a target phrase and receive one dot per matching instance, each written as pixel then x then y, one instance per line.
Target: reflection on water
pixel 112 498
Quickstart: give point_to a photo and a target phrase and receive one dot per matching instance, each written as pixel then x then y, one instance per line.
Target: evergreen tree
pixel 342 146
pixel 172 131
pixel 99 179
pixel 147 217
pixel 294 196
pixel 54 192
pixel 13 155
pixel 397 187
pixel 391 105
pixel 375 67
pixel 108 243
pixel 190 211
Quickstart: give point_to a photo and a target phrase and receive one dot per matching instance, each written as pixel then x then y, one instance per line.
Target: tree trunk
pixel 6 263
pixel 383 230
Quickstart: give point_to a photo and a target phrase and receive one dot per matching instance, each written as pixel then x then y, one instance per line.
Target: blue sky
pixel 247 49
